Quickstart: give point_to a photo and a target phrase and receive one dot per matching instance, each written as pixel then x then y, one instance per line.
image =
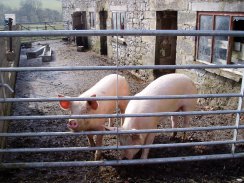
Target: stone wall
pixel 8 77
pixel 135 50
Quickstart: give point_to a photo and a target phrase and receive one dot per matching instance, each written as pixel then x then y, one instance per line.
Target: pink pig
pixel 170 84
pixel 105 87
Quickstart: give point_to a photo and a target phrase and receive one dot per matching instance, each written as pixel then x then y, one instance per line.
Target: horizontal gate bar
pixel 151 146
pixel 131 67
pixel 2 118
pixel 164 130
pixel 121 97
pixel 121 33
pixel 120 162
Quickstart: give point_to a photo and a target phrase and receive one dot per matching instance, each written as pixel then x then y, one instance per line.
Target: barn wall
pixel 135 50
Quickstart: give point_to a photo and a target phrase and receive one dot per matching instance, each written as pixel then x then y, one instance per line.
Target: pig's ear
pixel 65 105
pixel 93 103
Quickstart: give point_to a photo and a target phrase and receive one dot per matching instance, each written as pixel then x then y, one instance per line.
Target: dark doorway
pixel 165 52
pixel 103 15
pixel 79 23
pixel 237 43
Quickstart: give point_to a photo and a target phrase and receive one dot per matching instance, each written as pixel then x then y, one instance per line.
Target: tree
pixel 34 4
pixel 30 9
pixel 4 10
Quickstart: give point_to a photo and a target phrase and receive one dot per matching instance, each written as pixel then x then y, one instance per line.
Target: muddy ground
pixel 72 83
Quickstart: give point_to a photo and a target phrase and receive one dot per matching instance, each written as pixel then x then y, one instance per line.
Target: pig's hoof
pixel 92 144
pixel 184 138
pixel 172 138
pixel 98 157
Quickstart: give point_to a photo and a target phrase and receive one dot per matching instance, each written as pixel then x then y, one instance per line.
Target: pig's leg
pixel 189 107
pixel 98 153
pixel 149 140
pixel 110 122
pixel 91 141
pixel 185 125
pixel 122 106
pixel 174 123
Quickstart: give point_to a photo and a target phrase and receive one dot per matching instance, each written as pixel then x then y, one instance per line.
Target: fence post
pixel 45 29
pixel 10 22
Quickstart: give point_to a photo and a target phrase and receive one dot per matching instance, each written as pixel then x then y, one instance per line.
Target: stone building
pixel 168 50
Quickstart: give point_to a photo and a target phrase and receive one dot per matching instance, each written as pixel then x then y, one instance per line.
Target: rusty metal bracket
pixel 7 86
pixel 4 85
pixel 10 53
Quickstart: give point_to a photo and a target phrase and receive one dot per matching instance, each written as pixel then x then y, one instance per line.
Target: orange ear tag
pixel 65 104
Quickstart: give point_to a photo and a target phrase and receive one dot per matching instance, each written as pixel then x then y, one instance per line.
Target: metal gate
pixel 232 152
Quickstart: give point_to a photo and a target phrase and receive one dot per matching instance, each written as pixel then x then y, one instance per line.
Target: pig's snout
pixel 72 124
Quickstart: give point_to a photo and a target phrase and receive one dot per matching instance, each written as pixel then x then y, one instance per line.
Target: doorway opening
pixel 165 51
pixel 103 15
pixel 79 23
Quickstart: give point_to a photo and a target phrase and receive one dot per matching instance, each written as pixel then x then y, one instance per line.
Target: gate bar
pixel 163 130
pixel 151 146
pixel 120 115
pixel 131 67
pixel 121 97
pixel 49 33
pixel 120 162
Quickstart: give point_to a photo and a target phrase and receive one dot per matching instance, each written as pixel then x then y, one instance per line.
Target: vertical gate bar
pixel 240 102
pixel 2 112
pixel 117 104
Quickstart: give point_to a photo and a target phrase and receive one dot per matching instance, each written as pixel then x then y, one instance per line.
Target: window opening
pixel 92 19
pixel 220 49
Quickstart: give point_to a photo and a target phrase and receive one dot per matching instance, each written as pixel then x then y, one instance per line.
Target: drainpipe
pixel 10 53
pixel 10 23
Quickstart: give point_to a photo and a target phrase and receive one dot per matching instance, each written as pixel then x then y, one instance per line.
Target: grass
pixel 55 26
pixel 50 4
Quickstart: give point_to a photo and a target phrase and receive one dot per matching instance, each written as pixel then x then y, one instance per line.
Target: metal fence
pixel 235 128
pixel 41 26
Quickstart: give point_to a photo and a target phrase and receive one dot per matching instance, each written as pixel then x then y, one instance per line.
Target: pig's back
pixel 170 84
pixel 107 86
